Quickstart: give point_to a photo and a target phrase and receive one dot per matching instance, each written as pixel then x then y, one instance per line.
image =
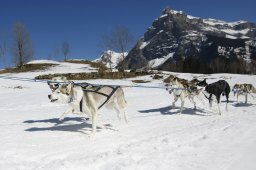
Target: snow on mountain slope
pixel 111 58
pixel 156 137
pixel 159 61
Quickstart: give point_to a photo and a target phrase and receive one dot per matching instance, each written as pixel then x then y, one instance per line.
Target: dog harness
pixel 108 96
pixel 86 86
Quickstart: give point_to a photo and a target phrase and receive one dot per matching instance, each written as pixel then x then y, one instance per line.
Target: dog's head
pixel 194 81
pixel 202 83
pixel 57 81
pixel 170 80
pixel 62 94
pixel 236 87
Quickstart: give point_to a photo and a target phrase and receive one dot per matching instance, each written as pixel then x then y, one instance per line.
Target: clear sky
pixel 83 22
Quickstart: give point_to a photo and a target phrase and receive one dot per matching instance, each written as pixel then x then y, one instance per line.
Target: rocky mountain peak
pixel 175 37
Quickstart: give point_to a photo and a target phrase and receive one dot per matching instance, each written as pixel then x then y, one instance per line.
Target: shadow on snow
pixel 56 120
pixel 82 127
pixel 243 104
pixel 169 111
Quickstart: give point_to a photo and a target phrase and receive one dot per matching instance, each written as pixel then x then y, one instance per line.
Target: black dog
pixel 216 88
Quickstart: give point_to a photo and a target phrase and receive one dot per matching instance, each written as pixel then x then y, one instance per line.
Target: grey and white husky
pixel 243 89
pixel 88 99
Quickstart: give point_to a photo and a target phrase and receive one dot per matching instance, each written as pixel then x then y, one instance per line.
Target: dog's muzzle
pixel 52 100
pixel 235 91
pixel 170 90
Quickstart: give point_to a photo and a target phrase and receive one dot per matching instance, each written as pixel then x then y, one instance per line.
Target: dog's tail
pixel 253 89
pixel 125 103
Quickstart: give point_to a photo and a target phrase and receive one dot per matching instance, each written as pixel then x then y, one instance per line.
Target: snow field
pixel 156 137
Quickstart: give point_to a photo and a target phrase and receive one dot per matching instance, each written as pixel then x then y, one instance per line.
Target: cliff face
pixel 180 42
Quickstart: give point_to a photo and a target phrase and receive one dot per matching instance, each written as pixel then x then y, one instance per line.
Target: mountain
pixel 180 42
pixel 111 58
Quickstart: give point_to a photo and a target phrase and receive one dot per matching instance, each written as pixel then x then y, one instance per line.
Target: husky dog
pixel 243 89
pixel 216 89
pixel 184 89
pixel 89 99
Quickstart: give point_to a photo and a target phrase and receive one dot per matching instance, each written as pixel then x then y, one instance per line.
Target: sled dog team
pixel 84 98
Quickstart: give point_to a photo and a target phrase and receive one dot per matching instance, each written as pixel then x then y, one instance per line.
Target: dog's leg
pixel 125 116
pixel 246 95
pixel 69 110
pixel 182 98
pixel 218 100
pixel 227 96
pixel 94 122
pixel 117 112
pixel 191 98
pixel 219 108
pixel 210 101
pixel 237 97
pixel 182 105
pixel 175 100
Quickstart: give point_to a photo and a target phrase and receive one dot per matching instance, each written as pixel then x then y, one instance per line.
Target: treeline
pixel 217 65
pixel 22 48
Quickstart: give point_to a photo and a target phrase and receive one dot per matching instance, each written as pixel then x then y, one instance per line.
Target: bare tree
pixel 65 49
pixel 3 51
pixel 119 40
pixel 105 48
pixel 22 48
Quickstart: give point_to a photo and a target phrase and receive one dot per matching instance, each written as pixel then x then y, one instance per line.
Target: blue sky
pixel 83 22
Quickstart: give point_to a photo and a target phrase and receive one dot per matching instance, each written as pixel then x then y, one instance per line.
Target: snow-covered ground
pixel 156 137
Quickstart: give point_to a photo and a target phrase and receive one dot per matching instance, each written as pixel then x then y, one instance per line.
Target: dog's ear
pixel 66 89
pixel 69 88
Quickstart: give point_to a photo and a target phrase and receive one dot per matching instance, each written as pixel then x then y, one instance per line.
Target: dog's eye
pixel 58 92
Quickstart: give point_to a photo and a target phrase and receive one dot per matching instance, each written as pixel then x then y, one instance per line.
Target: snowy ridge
pixel 111 58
